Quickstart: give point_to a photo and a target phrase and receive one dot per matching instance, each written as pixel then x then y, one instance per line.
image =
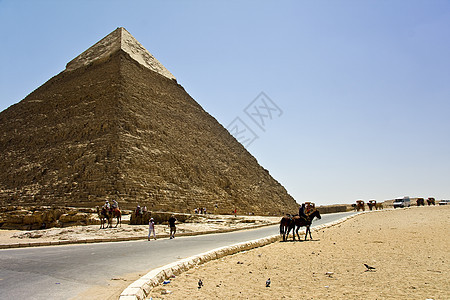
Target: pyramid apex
pixel 119 39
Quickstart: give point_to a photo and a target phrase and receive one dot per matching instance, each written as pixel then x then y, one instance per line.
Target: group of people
pixel 139 211
pixel 172 227
pixel 305 209
pixel 111 206
pixel 200 210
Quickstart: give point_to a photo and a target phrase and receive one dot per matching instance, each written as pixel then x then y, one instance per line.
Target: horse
pixel 378 206
pixel 116 213
pixel 104 216
pixel 285 226
pixel 298 222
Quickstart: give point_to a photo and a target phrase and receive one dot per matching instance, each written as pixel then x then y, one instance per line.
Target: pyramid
pixel 115 124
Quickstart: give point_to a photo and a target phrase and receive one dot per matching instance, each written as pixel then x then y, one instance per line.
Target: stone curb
pixel 141 288
pixel 121 239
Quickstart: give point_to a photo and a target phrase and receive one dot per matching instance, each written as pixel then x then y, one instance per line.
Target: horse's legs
pixel 308 229
pixel 288 229
pixel 296 232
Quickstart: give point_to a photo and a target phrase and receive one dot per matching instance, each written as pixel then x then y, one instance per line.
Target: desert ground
pixel 409 249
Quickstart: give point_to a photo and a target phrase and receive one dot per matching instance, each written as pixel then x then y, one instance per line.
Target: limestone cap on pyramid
pixel 119 39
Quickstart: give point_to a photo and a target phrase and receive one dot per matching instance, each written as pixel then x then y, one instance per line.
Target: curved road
pixel 61 272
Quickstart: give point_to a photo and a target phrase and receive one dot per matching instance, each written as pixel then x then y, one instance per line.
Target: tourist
pixel 115 204
pixel 151 229
pixel 172 227
pixel 301 211
pixel 138 210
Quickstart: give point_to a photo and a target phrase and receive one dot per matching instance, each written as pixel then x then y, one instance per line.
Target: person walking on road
pixel 151 229
pixel 173 229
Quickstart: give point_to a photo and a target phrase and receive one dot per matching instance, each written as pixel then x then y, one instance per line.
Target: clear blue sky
pixel 364 86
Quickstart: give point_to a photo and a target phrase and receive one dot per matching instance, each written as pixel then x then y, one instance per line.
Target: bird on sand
pixel 268 282
pixel 200 283
pixel 369 268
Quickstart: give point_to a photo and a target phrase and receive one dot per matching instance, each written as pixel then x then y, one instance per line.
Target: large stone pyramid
pixel 116 125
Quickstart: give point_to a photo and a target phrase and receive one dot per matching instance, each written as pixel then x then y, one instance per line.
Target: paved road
pixel 61 272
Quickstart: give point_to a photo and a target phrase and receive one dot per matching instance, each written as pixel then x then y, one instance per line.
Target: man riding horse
pixel 306 213
pixel 301 211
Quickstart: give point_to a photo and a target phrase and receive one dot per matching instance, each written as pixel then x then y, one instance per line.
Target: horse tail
pixel 281 227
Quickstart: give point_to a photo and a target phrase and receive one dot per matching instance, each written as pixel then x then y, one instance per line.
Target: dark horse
pixel 300 222
pixel 285 226
pixel 294 223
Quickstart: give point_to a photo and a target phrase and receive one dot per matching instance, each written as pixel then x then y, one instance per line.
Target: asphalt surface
pixel 62 272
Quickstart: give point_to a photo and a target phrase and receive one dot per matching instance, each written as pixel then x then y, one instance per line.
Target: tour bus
pixel 402 202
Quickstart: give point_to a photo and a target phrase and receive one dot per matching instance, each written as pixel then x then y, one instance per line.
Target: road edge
pixel 141 288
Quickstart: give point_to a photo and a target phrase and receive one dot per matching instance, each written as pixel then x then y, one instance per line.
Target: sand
pixel 409 249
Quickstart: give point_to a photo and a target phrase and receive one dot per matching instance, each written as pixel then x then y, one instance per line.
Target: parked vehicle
pixel 402 202
pixel 444 202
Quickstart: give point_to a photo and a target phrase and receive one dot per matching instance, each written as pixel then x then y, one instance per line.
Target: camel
pixel 372 204
pixel 104 217
pixel 360 205
pixel 116 213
